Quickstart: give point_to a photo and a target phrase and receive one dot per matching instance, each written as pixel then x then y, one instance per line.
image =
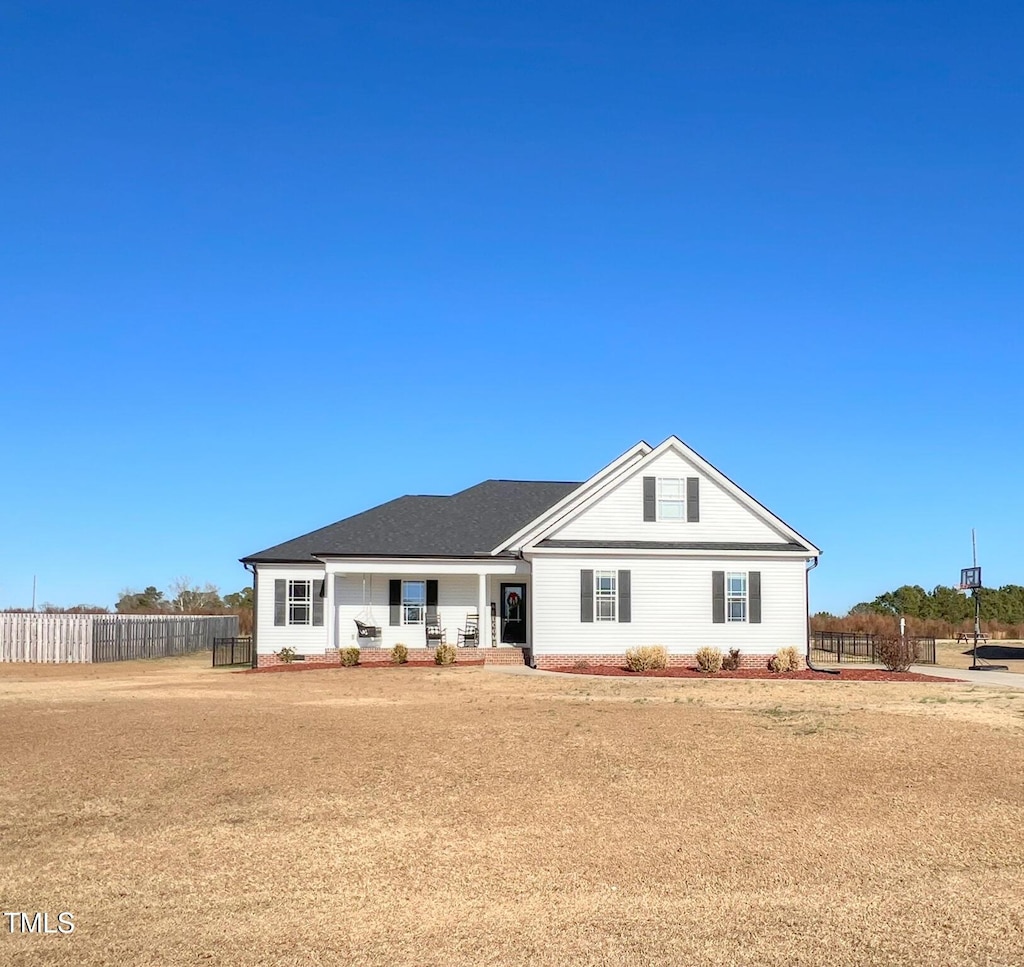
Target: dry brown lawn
pixel 954 654
pixel 462 817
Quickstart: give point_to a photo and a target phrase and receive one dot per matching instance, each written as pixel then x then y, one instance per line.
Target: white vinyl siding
pixel 618 515
pixel 671 606
pixel 306 639
pixel 457 597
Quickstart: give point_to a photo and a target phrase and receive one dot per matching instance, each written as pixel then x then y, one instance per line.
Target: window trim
pixel 294 601
pixel 421 604
pixel 681 500
pixel 731 598
pixel 610 595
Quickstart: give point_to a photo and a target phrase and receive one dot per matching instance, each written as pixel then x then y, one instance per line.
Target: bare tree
pixel 188 597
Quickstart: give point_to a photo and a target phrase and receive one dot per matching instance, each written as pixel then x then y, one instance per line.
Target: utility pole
pixel 33 593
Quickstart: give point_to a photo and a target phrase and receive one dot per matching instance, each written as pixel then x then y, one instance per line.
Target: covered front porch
pixel 396 596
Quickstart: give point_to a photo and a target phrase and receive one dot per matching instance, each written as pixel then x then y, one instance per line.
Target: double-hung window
pixel 300 602
pixel 605 592
pixel 671 498
pixel 414 602
pixel 736 596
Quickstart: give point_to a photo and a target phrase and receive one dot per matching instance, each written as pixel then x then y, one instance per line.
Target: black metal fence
pixel 232 651
pixel 125 637
pixel 832 647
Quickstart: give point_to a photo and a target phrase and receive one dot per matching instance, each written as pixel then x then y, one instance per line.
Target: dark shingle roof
pixel 473 521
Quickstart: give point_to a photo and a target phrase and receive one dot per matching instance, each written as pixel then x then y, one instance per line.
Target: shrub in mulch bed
pixel 805 675
pixel 315 665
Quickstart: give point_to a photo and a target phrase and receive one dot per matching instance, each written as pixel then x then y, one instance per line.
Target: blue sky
pixel 264 265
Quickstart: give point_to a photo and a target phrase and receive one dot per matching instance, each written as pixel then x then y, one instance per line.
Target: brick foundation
pixel 382 656
pixel 684 661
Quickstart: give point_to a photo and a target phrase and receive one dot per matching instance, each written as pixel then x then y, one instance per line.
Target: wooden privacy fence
pixel 46 637
pixel 108 637
pixel 157 636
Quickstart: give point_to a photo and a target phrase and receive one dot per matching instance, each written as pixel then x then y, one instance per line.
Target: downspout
pixel 252 568
pixel 810 638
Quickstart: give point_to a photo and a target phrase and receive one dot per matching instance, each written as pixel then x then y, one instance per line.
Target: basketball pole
pixel 977 600
pixel 974 583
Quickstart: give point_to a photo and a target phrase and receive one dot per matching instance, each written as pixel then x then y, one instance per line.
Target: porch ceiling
pixel 424 566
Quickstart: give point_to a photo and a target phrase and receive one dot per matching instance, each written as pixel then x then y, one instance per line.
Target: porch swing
pixel 367 627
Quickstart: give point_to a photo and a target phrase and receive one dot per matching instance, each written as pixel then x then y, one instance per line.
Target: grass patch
pixel 468 818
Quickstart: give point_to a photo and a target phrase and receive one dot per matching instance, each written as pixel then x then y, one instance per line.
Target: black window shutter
pixel 395 601
pixel 625 597
pixel 319 592
pixel 586 595
pixel 754 597
pixel 718 597
pixel 280 601
pixel 693 499
pixel 432 595
pixel 650 509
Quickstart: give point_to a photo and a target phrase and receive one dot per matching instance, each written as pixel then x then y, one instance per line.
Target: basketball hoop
pixel 963 589
pixel 970 580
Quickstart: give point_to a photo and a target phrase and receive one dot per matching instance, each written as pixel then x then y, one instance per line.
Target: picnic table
pixel 968 636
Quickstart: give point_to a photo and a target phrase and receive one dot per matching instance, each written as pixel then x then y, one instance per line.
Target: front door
pixel 513 614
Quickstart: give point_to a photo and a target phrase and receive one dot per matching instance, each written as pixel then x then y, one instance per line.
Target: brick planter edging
pixel 417 656
pixel 759 662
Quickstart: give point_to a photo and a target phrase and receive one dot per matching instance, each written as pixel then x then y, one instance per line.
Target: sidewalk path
pixel 999 679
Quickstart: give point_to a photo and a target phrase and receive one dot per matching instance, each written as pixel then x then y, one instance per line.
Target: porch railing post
pixel 484 625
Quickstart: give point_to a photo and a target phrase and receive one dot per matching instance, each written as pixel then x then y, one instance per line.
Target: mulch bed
pixel 845 675
pixel 301 666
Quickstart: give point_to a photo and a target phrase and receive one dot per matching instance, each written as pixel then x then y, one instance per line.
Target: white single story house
pixel 658 547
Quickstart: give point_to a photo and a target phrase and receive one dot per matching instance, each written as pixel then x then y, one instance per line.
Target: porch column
pixel 330 618
pixel 485 614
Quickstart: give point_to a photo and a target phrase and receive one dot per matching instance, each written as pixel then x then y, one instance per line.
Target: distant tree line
pixel 182 597
pixel 943 611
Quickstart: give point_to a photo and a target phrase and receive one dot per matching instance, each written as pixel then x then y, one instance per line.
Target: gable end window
pixel 671 498
pixel 736 596
pixel 300 602
pixel 605 592
pixel 414 602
